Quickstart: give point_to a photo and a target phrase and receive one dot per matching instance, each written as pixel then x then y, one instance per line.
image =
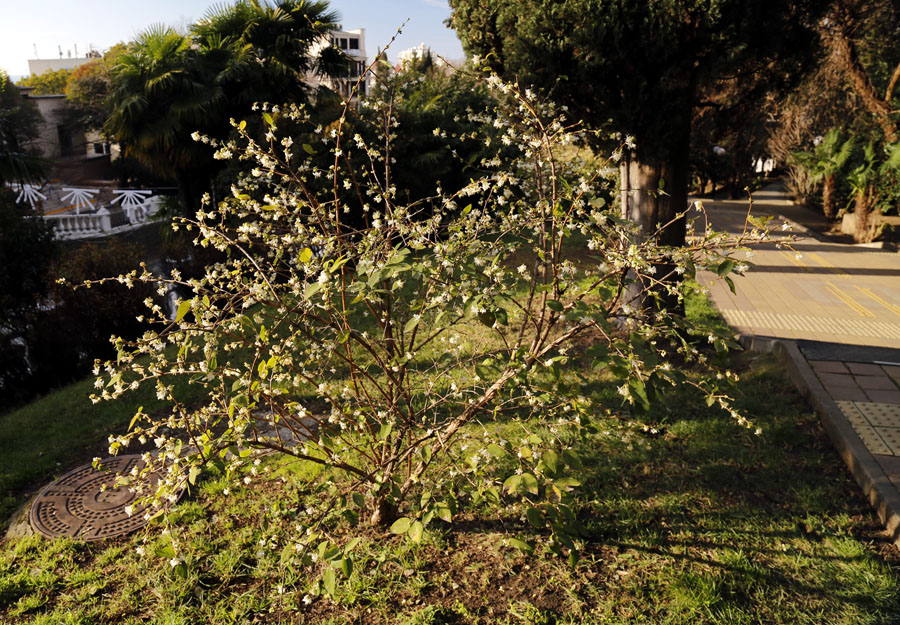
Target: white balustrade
pixel 135 207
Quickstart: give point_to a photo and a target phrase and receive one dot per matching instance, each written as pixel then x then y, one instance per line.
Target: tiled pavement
pixel 833 312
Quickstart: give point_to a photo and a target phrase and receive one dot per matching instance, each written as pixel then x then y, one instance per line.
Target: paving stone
pixel 852 412
pixel 838 380
pixel 890 465
pixel 876 383
pixel 830 366
pixel 858 368
pixel 891 436
pixel 872 440
pixel 847 394
pixel 886 397
pixel 892 370
pixel 879 415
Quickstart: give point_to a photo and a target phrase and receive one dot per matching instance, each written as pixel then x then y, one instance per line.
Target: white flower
pixel 175 561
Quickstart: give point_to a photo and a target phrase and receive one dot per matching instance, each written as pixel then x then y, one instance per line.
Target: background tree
pixel 51 82
pixel 88 89
pixel 64 339
pixel 639 66
pixel 167 86
pixel 825 162
pixel 19 123
pixel 27 249
pixel 432 105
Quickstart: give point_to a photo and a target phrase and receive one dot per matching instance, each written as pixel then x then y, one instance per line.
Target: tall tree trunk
pixel 829 197
pixel 653 195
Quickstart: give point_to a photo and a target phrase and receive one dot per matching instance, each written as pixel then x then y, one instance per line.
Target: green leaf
pixel 487 317
pixel 512 483
pixel 725 268
pixel 267 117
pixel 554 305
pixel 529 483
pixel 192 475
pixel 305 256
pixel 573 557
pixel 416 531
pixel 401 526
pixel 496 450
pixel 308 148
pixel 521 545
pixel 329 581
pixel 411 324
pixel 242 125
pixel 443 512
pixel 535 517
pixel 551 461
pixel 183 309
pixel 347 566
pixel 166 551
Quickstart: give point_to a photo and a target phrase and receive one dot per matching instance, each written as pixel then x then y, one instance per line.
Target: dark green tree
pixel 19 123
pixel 431 105
pixel 27 249
pixel 638 67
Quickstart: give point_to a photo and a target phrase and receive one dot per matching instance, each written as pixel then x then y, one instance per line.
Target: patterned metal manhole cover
pixel 77 505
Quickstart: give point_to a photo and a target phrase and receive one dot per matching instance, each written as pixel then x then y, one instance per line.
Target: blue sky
pixel 49 24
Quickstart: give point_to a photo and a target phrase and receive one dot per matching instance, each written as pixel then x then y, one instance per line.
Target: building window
pixel 354 44
pixel 98 148
pixel 343 43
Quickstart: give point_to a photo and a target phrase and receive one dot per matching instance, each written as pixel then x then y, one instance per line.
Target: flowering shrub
pixel 376 351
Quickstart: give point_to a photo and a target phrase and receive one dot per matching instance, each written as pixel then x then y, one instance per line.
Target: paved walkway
pixel 821 291
pixel 835 310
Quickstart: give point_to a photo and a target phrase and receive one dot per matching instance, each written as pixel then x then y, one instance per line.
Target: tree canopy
pixel 19 122
pixel 166 85
pixel 638 67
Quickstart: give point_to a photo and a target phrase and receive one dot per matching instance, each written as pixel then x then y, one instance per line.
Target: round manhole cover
pixel 77 505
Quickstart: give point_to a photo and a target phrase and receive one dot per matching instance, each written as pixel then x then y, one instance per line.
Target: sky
pixel 70 24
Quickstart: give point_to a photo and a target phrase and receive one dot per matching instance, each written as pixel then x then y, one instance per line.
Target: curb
pixel 882 494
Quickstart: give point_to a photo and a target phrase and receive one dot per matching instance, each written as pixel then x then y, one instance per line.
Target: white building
pixel 353 44
pixel 39 66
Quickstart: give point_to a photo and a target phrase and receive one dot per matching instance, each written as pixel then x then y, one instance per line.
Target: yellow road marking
pixel 891 307
pixel 60 210
pixel 862 310
pixel 792 258
pixel 831 267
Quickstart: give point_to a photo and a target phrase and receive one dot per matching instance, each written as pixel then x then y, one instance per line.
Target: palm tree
pixel 281 37
pixel 824 164
pixel 168 86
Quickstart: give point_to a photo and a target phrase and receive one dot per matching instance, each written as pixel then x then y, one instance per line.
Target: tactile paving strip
pixel 878 425
pixel 78 505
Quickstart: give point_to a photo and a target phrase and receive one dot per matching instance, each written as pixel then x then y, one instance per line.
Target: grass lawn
pixel 41 440
pixel 688 519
